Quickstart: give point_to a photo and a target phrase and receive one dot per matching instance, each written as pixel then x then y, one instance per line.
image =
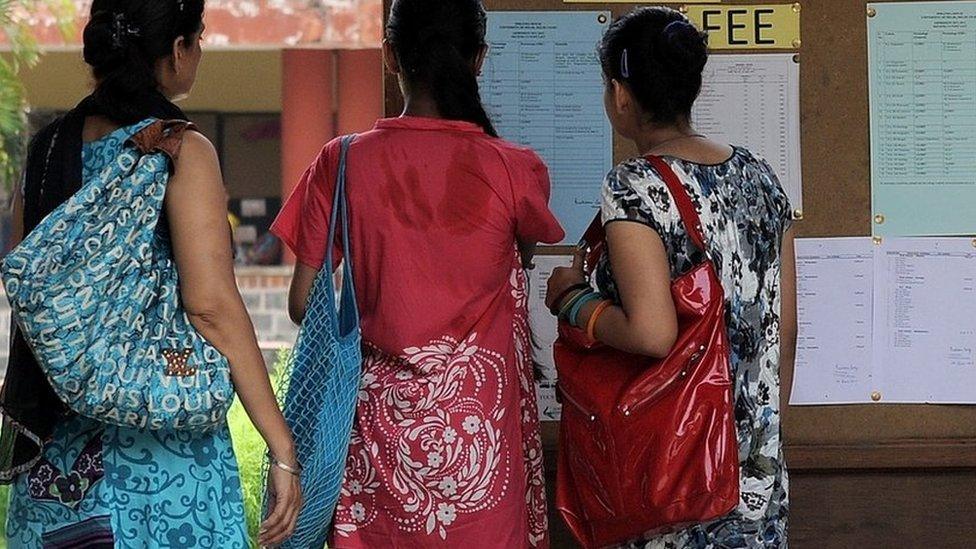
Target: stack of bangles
pixel 571 303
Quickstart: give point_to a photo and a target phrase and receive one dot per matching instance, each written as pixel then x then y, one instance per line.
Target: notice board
pixel 923 443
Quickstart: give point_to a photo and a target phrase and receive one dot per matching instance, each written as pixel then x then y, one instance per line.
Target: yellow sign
pixel 774 26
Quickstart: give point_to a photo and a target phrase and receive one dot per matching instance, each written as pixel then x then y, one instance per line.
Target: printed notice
pixel 889 323
pixel 754 101
pixel 543 327
pixel 922 82
pixel 834 310
pixel 925 320
pixel 542 85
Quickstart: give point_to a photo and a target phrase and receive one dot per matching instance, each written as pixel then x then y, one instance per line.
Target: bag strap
pixel 340 212
pixel 162 136
pixel 591 243
pixel 686 208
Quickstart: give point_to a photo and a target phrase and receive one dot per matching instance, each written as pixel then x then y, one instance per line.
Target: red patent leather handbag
pixel 647 446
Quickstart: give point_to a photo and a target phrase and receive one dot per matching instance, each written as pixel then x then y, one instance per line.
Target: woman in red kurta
pixel 445 449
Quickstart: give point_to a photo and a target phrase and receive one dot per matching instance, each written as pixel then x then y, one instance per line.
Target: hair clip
pixel 181 5
pixel 121 30
pixel 624 65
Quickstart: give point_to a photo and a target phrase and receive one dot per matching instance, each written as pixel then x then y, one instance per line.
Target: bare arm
pixel 196 205
pixel 646 322
pixel 788 324
pixel 301 287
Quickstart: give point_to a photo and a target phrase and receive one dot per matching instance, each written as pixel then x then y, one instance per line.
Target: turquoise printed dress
pixel 104 486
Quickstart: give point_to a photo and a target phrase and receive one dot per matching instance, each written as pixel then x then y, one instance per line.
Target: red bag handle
pixel 687 209
pixel 592 240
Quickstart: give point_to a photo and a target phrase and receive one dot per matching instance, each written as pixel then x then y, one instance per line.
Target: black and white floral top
pixel 744 213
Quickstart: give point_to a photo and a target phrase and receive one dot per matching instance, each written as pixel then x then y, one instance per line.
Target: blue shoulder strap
pixel 348 310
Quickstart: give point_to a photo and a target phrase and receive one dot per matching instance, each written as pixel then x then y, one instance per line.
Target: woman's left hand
pixel 563 278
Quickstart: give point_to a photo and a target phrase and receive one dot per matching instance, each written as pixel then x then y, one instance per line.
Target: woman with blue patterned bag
pixel 99 462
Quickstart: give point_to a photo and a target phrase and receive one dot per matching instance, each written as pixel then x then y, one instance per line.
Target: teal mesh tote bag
pixel 321 381
pixel 95 291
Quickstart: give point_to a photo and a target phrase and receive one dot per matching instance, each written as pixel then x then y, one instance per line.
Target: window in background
pixel 251 155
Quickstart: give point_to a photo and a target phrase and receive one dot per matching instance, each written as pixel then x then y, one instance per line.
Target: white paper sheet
pixel 753 100
pixel 888 323
pixel 543 327
pixel 834 308
pixel 543 88
pixel 925 320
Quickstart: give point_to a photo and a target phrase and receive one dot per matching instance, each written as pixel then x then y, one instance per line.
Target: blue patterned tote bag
pixel 321 381
pixel 95 290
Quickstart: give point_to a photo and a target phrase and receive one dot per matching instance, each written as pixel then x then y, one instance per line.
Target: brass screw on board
pixel 877 240
pixel 796 43
pixel 683 9
pixel 798 214
pixel 796 58
pixel 796 8
pixel 974 243
pixel 876 396
pixel 872 12
pixel 879 219
pixel 602 18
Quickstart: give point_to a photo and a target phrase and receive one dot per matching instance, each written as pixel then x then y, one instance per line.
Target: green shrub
pixel 250 450
pixel 4 500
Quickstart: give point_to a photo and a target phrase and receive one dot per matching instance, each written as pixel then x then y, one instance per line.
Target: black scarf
pixel 53 173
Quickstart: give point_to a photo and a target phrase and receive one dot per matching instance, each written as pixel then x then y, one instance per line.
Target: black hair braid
pixel 436 43
pixel 664 60
pixel 124 39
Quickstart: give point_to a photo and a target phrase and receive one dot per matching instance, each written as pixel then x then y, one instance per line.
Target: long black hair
pixel 661 56
pixel 436 43
pixel 123 42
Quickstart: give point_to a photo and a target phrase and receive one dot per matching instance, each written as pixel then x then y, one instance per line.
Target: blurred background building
pixel 279 79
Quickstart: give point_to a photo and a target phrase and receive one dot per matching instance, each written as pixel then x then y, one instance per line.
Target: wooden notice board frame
pixel 837 202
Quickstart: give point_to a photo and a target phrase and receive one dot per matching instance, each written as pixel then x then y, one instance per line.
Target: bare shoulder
pixel 197 147
pixel 197 156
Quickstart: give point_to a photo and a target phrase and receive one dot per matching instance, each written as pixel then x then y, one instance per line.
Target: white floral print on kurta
pixel 443 449
pixel 535 489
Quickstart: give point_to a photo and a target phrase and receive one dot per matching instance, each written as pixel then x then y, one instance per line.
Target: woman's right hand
pixel 285 502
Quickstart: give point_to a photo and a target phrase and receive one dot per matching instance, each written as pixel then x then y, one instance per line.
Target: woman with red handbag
pixel 669 368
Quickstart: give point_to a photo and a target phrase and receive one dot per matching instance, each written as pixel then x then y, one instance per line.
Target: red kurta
pixel 445 449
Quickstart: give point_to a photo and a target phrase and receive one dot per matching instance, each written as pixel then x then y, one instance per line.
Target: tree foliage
pixel 22 52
